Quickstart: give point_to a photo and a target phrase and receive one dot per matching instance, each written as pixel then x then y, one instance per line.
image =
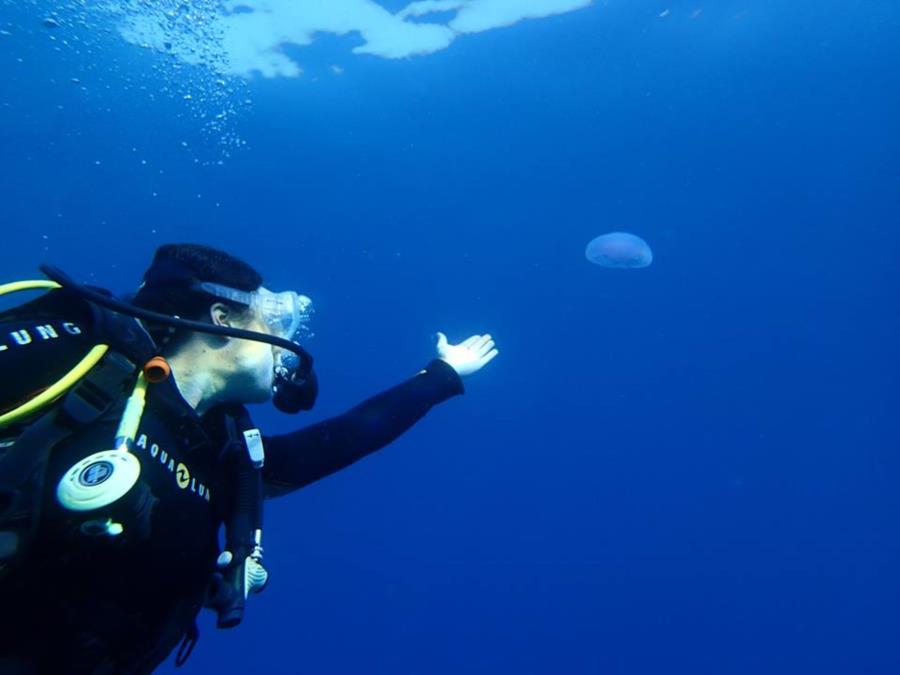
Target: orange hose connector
pixel 157 370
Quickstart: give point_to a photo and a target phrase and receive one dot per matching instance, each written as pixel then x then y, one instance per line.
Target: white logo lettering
pixel 183 477
pixel 47 332
pixel 22 337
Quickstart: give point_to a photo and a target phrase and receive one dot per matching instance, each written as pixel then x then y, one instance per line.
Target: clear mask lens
pixel 286 314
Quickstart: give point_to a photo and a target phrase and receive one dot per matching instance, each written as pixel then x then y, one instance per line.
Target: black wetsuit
pixel 89 604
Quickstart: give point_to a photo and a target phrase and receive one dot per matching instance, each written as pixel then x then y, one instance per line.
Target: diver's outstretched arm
pixel 297 459
pixel 302 457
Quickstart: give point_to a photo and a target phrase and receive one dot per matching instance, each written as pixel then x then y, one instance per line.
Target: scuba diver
pixel 132 478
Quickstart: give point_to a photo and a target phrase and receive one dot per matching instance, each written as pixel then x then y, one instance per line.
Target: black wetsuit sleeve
pixel 302 457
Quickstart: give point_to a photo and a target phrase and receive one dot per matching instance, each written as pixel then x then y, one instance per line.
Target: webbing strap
pixel 188 642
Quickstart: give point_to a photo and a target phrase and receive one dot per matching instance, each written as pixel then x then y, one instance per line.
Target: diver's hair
pixel 167 286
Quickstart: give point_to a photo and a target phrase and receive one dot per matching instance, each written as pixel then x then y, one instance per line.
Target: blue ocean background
pixel 688 468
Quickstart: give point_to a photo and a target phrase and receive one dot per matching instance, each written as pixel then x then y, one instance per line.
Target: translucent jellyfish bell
pixel 619 250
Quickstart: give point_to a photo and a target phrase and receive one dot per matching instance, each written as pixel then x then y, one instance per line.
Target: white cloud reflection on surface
pixel 252 33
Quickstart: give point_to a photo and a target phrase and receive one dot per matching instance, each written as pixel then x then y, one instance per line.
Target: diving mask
pixel 286 314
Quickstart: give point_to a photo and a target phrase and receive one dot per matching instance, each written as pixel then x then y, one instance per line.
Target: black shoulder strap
pixel 123 334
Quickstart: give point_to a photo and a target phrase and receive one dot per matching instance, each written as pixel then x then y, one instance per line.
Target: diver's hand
pixel 468 356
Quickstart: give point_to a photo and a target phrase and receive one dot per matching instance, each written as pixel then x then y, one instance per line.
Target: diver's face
pixel 256 361
pixel 250 364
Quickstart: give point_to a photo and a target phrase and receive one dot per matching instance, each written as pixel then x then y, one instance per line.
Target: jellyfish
pixel 619 250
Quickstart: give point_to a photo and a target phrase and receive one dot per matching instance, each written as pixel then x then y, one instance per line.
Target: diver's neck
pixel 195 376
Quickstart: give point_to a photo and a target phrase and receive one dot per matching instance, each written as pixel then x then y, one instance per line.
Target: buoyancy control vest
pixel 104 485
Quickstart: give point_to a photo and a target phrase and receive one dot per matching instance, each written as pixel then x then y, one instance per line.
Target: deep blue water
pixel 689 468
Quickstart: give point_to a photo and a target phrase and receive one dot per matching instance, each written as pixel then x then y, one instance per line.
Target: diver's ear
pixel 220 314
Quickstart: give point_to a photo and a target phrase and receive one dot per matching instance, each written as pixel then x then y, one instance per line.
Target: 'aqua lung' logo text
pixel 182 473
pixel 37 334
